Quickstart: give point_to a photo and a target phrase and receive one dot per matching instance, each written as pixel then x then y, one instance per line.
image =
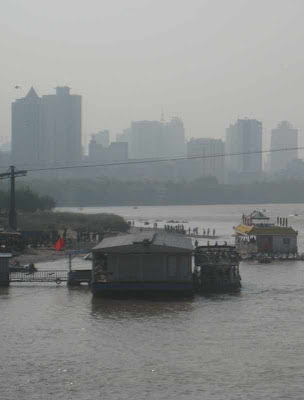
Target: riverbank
pixel 39 255
pixel 73 221
pixel 41 229
pixel 48 254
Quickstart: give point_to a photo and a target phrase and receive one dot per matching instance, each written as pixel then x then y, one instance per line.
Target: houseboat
pixel 146 262
pixel 216 269
pixel 256 235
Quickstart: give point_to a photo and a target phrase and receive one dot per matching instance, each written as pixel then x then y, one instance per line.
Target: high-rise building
pixel 282 137
pixel 152 139
pixel 206 148
pixel 124 136
pixel 116 151
pixel 146 138
pixel 102 137
pixel 245 136
pixel 62 127
pixel 27 132
pixel 174 138
pixel 46 130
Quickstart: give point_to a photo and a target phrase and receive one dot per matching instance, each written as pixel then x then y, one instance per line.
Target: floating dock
pixel 216 269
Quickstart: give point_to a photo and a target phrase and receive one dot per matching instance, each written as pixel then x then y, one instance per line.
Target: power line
pixel 149 160
pixel 165 159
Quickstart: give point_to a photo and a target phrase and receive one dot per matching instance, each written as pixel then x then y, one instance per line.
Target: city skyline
pixel 47 130
pixel 38 114
pixel 193 62
pixel 86 136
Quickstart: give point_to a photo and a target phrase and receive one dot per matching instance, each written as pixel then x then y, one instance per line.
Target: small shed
pixel 4 268
pixel 143 262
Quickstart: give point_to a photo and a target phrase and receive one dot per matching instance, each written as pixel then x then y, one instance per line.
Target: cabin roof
pixel 265 230
pixel 257 215
pixel 151 238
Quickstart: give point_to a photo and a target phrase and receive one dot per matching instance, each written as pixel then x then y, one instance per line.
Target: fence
pixel 57 276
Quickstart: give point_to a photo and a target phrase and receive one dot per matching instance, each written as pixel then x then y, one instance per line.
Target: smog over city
pixel 151 199
pixel 116 82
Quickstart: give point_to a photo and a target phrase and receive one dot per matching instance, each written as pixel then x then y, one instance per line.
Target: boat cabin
pixel 144 262
pixel 256 234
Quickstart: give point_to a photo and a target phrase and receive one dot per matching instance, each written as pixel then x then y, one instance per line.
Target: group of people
pixel 206 232
pixel 15 243
pixel 175 228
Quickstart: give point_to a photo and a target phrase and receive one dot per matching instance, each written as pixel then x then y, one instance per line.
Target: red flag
pixel 59 244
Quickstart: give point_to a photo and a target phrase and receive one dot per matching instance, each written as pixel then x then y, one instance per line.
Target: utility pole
pixel 12 174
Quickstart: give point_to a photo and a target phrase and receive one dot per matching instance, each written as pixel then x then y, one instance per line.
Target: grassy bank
pixel 47 221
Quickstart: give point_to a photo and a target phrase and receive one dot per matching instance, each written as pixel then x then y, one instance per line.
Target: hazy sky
pixel 208 62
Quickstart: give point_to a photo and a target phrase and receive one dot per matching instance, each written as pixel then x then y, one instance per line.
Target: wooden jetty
pixel 202 236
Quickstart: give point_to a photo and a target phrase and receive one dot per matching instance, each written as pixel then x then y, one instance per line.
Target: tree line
pixel 206 190
pixel 27 200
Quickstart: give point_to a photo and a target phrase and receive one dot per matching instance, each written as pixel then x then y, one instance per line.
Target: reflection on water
pixel 59 343
pixel 132 308
pixel 4 291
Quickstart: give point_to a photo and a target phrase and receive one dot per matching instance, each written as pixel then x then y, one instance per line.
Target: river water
pixel 59 343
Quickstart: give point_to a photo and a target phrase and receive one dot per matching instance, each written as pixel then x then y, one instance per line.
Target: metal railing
pixel 57 276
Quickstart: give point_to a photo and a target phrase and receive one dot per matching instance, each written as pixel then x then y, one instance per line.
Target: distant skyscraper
pixel 124 136
pixel 282 137
pixel 62 127
pixel 102 137
pixel 209 166
pixel 152 139
pixel 174 137
pixel 146 139
pixel 245 136
pixel 116 151
pixel 27 134
pixel 46 130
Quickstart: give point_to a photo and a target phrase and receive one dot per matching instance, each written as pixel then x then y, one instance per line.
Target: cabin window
pixel 286 241
pixel 172 267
